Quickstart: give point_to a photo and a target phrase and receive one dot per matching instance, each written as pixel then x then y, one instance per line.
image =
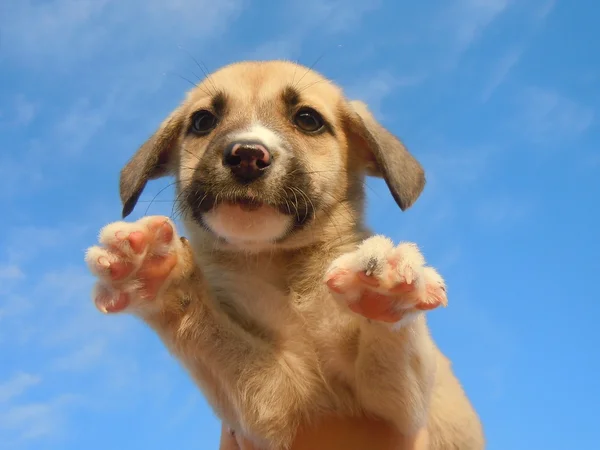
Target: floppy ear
pixel 385 156
pixel 154 159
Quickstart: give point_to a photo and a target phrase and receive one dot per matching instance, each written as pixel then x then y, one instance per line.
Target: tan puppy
pixel 282 306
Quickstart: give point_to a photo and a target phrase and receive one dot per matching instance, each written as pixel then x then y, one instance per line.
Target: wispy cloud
pixel 505 64
pixel 334 16
pixel 330 18
pixel 75 129
pixel 28 422
pixel 501 70
pixel 48 312
pixel 549 117
pixel 17 385
pixel 374 88
pixel 449 164
pixel 463 21
pixel 10 272
pixel 122 48
pixel 20 112
pixel 77 31
pixel 23 419
pixel 24 243
pixel 83 358
pixel 545 8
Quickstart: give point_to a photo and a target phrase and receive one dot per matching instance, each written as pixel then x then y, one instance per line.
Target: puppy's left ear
pixel 154 159
pixel 384 155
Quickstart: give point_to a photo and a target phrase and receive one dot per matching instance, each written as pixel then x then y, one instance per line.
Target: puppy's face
pixel 261 154
pixel 264 152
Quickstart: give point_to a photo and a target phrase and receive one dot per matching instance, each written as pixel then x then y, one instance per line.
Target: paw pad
pixel 132 262
pixel 384 282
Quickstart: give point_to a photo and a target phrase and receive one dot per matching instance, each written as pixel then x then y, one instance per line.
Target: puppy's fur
pixel 257 304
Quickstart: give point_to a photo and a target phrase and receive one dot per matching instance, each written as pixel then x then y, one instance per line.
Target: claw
pixel 391 284
pixel 110 302
pixel 132 262
pixel 368 278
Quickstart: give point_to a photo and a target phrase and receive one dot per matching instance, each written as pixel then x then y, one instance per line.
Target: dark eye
pixel 309 120
pixel 203 122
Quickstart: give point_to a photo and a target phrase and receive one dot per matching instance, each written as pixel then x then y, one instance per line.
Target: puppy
pixel 282 305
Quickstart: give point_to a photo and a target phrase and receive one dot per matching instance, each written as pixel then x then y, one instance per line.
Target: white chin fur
pixel 236 225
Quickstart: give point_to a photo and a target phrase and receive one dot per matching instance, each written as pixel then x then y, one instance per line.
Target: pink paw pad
pixel 382 282
pixel 132 262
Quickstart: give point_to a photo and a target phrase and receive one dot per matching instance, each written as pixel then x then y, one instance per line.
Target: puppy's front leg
pixel 145 269
pixel 391 287
pixel 259 387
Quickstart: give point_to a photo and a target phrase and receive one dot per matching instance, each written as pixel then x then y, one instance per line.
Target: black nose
pixel 247 160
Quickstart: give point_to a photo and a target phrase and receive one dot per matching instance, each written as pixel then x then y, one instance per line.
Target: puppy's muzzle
pixel 247 161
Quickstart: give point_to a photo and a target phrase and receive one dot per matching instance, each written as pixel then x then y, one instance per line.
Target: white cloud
pixel 23 420
pixel 108 55
pixel 54 28
pixel 21 244
pixel 328 17
pixel 10 272
pixel 501 70
pixel 545 9
pixel 374 89
pixel 79 124
pixel 17 385
pixel 96 357
pixel 84 358
pixel 453 166
pixel 332 16
pixel 24 423
pixel 335 16
pixel 465 20
pixel 548 117
pixel 65 31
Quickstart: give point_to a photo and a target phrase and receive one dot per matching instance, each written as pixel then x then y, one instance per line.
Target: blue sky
pixel 499 99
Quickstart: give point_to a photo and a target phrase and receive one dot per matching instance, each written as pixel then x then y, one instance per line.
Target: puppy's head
pixel 264 154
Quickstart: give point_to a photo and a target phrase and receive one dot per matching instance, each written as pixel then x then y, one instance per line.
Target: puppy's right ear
pixel 154 159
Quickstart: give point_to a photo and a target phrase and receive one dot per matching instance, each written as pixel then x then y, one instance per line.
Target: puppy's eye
pixel 203 122
pixel 309 120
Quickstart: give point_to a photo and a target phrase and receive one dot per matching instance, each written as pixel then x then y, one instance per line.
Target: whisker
pixel 160 192
pixel 177 204
pixel 187 79
pixel 190 153
pixel 309 85
pixel 311 67
pixel 202 69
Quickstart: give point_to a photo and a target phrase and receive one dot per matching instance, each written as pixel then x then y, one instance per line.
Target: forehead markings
pixel 291 96
pixel 218 103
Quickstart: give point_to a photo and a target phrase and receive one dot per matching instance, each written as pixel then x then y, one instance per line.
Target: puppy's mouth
pixel 209 202
pixel 248 216
pixel 201 199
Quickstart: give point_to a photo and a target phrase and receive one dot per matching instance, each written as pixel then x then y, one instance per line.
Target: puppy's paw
pixel 384 282
pixel 134 263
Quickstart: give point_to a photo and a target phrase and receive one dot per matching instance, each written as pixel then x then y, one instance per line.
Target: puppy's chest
pixel 254 298
pixel 297 313
pixel 271 293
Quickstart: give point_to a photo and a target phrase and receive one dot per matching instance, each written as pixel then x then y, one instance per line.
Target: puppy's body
pixel 244 304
